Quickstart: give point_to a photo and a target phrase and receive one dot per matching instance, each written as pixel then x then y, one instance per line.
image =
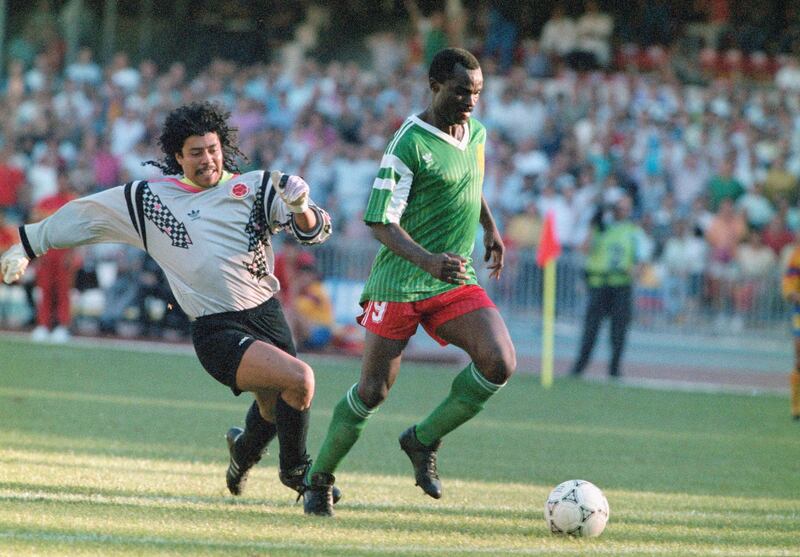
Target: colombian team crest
pixel 239 191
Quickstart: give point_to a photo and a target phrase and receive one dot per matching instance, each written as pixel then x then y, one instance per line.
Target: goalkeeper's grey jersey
pixel 213 244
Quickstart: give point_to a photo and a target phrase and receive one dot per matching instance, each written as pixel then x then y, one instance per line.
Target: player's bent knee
pixel 301 391
pixel 511 361
pixel 306 387
pixel 497 364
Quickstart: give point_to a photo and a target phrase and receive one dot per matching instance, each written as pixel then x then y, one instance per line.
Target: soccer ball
pixel 576 508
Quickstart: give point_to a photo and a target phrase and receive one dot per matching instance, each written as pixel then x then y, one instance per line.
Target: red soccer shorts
pixel 399 320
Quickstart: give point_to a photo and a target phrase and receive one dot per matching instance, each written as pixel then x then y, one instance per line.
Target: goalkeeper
pixel 210 229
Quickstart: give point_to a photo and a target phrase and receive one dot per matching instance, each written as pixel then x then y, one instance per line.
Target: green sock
pixel 468 394
pixel 349 418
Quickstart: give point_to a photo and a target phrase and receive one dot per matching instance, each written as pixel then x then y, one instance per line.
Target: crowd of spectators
pixel 713 168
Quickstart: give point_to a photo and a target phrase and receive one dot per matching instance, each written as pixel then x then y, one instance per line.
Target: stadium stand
pixel 564 137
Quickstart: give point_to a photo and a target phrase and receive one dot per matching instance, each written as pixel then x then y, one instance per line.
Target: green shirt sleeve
pixel 392 186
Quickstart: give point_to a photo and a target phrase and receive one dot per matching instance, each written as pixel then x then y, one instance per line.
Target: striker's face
pixel 455 99
pixel 201 159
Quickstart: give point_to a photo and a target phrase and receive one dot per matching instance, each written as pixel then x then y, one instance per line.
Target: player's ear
pixel 434 85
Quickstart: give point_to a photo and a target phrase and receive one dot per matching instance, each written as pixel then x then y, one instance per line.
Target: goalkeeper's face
pixel 201 159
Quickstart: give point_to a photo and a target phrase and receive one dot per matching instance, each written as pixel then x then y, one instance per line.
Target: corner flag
pixel 546 256
pixel 549 248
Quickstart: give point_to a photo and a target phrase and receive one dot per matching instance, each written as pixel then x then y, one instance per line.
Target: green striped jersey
pixel 430 184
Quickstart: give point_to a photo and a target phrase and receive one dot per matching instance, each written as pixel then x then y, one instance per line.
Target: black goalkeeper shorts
pixel 220 340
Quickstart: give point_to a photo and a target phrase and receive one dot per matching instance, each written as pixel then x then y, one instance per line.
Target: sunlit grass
pixel 104 452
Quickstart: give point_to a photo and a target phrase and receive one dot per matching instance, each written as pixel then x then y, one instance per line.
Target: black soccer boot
pixel 318 495
pixel 294 478
pixel 240 464
pixel 423 459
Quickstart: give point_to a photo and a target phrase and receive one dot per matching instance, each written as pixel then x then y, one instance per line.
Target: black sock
pixel 258 432
pixel 292 434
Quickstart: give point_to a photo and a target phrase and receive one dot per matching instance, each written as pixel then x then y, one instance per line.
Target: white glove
pixel 294 191
pixel 13 263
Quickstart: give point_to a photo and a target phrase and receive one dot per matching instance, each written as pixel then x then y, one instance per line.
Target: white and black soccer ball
pixel 576 508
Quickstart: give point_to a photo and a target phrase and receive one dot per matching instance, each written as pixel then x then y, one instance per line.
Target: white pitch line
pixel 699 387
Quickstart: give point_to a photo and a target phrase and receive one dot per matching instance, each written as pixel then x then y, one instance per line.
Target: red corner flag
pixel 549 248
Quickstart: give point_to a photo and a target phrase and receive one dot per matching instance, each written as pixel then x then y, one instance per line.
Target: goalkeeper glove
pixel 292 189
pixel 13 263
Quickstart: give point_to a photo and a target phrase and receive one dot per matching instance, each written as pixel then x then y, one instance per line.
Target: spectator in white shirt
pixel 594 34
pixel 788 76
pixel 84 69
pixel 757 208
pixel 126 131
pixel 689 177
pixel 559 34
pixel 683 260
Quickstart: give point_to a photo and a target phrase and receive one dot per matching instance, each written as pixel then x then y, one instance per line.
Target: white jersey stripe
pixel 383 184
pixel 399 200
pixel 395 163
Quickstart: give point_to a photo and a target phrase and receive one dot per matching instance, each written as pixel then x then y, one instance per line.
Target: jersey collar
pixel 225 177
pixel 443 136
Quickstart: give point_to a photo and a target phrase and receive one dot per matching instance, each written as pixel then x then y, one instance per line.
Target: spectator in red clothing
pixel 776 234
pixel 288 262
pixel 8 237
pixel 55 274
pixel 8 233
pixel 12 178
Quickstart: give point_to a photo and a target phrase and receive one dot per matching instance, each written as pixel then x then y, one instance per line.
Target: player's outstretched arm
pixel 293 191
pixel 101 217
pixel 492 241
pixel 448 267
pixel 13 263
pixel 308 223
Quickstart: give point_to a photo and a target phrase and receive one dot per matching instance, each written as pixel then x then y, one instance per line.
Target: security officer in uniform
pixel 611 264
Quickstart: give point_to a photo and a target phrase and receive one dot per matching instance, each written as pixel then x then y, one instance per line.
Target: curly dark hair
pixel 198 118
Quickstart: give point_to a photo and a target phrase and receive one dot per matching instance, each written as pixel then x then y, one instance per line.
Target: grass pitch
pixel 112 452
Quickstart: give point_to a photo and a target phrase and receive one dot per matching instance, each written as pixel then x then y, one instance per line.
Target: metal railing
pixel 662 302
pixel 701 304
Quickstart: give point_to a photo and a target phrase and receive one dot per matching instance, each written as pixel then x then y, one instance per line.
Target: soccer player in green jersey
pixel 425 207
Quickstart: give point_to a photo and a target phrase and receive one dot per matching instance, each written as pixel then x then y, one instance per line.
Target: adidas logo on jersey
pixel 194 214
pixel 428 158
